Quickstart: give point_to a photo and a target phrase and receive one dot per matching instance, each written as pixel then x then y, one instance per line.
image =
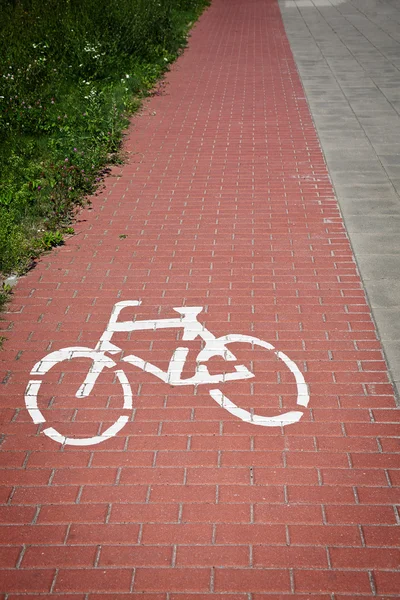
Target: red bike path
pixel 225 203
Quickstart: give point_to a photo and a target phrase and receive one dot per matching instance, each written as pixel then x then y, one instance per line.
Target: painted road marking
pixel 192 329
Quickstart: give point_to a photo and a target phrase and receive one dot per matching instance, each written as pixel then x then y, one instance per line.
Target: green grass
pixel 71 72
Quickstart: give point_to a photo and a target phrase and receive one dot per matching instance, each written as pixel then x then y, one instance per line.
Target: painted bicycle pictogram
pixel 192 329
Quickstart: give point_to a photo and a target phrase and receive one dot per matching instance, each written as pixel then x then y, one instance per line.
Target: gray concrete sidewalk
pixel 348 56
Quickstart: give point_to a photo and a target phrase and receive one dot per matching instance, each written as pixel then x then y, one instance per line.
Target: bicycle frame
pixel 192 329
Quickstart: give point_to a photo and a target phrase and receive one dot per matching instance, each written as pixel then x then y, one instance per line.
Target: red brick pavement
pixel 226 204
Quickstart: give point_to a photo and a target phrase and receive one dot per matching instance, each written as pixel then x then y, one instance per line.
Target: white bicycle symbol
pixel 192 329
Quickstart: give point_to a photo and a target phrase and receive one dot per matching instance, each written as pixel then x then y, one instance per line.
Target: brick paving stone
pixel 226 204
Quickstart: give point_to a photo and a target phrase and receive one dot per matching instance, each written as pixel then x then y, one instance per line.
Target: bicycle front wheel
pixel 219 346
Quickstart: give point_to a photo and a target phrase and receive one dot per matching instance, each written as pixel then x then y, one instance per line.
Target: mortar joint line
pixel 108 513
pixel 140 533
pixel 21 556
pixel 97 556
pixel 361 532
pixel 132 580
pixel 292 586
pixel 79 494
pixel 212 579
pixel 173 556
pixel 323 511
pixel 118 475
pixel 372 582
pixel 53 583
pixel 396 514
pixel 10 497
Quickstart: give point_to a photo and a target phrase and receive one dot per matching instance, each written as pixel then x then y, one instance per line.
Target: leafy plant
pixel 51 239
pixel 69 78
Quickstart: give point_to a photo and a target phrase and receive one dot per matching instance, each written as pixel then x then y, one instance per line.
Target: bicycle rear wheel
pixel 68 354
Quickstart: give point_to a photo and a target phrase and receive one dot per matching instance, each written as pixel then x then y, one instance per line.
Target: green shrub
pixel 70 74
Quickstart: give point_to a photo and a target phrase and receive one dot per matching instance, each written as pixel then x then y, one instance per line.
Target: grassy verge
pixel 71 72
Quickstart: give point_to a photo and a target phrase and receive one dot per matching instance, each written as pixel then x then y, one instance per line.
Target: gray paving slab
pixel 390 159
pixel 364 190
pixel 392 348
pixel 383 223
pixel 380 266
pixel 384 293
pixel 348 56
pixel 393 171
pixel 390 325
pixel 369 207
pixel 345 177
pixel 378 243
pixel 396 184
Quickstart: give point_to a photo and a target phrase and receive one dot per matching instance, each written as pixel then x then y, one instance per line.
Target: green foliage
pixel 70 74
pixel 5 293
pixel 51 239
